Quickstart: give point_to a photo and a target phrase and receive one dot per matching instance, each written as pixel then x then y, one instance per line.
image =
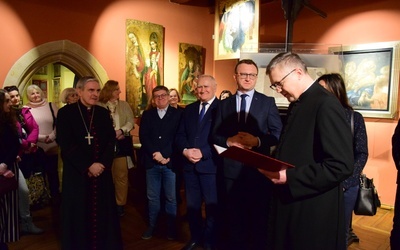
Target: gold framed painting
pixel 191 65
pixel 144 60
pixel 371 74
pixel 236 28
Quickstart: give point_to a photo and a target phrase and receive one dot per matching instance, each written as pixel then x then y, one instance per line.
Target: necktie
pixel 203 111
pixel 242 114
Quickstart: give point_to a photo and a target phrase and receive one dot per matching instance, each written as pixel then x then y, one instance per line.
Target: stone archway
pixel 65 52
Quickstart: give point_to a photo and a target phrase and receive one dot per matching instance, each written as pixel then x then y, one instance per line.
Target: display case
pixel 370 72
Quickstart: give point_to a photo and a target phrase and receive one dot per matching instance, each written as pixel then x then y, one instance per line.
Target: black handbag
pixel 368 199
pixel 124 147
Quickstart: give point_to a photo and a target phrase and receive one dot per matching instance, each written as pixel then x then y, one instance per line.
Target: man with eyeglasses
pixel 157 131
pixel 251 120
pixel 308 212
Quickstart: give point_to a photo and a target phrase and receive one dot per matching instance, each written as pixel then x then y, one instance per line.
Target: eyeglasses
pixel 279 84
pixel 245 75
pixel 162 96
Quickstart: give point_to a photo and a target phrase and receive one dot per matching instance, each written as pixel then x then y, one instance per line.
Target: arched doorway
pixel 65 52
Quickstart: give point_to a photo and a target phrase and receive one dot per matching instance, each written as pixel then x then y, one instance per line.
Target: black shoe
pixel 349 241
pixel 148 233
pixel 120 211
pixel 191 246
pixel 354 237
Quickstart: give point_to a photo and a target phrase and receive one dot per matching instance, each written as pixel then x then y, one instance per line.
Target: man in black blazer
pixel 307 211
pixel 253 123
pixel 395 233
pixel 199 167
pixel 157 132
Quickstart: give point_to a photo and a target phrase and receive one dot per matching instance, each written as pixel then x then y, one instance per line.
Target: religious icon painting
pixel 144 60
pixel 371 75
pixel 236 28
pixel 191 65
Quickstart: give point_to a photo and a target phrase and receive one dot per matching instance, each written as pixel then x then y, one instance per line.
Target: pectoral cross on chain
pixel 89 137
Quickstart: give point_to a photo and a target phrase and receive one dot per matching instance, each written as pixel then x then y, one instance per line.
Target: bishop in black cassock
pixel 88 210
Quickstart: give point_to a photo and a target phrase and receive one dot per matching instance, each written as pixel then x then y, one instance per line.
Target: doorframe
pixel 65 52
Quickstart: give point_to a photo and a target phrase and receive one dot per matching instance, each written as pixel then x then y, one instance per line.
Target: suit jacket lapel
pixel 254 107
pixel 207 114
pixel 233 110
pixel 168 113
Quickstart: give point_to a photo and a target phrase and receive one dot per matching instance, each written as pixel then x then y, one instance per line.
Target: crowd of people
pixel 244 207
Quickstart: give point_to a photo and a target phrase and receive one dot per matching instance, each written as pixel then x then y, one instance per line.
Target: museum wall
pixel 99 28
pixel 348 22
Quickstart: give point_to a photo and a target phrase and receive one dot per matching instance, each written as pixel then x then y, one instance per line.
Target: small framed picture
pixel 42 71
pixel 57 69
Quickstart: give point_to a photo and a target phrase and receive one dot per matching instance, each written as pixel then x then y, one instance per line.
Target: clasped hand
pixel 96 169
pixel 243 140
pixel 194 155
pixel 157 156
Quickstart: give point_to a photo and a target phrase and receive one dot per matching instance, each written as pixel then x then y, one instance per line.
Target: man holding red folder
pixel 308 208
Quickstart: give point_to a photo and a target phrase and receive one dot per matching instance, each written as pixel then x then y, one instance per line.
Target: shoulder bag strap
pixel 52 113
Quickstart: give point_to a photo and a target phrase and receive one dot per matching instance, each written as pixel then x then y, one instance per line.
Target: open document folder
pixel 253 159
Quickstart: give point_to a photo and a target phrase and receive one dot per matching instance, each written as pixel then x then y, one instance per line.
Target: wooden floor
pixel 373 231
pixel 133 224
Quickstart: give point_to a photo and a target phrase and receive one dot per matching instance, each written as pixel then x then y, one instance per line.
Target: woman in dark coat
pixel 9 146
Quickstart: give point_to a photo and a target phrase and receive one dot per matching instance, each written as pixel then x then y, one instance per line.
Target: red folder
pixel 253 159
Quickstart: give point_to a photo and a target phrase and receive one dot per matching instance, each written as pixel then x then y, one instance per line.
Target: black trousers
pixel 395 234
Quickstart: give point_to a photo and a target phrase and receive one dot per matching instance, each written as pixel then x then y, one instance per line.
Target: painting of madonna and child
pixel 144 52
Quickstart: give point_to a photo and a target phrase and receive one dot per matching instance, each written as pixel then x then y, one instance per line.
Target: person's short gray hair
pixel 85 79
pixel 286 59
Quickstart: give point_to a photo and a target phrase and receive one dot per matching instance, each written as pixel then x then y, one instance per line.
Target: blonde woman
pixel 69 96
pixel 123 122
pixel 45 114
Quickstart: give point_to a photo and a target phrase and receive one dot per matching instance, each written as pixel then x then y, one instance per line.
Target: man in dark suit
pixel 395 233
pixel 157 132
pixel 249 120
pixel 199 168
